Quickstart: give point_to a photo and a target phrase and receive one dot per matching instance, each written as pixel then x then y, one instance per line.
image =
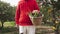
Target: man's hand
pixel 17 26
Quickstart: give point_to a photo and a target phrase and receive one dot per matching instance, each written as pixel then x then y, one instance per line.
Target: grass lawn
pixel 12 24
pixel 9 28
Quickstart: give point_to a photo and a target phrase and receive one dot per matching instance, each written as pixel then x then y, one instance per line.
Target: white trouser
pixel 27 29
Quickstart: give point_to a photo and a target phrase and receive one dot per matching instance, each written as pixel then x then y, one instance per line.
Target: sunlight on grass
pixel 0 23
pixel 9 28
pixel 7 24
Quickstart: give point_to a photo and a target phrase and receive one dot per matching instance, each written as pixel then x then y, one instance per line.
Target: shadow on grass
pixel 9 30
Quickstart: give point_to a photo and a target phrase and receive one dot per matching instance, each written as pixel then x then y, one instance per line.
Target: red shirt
pixel 23 8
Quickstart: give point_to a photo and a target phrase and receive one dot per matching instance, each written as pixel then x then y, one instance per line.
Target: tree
pixel 6 12
pixel 56 13
pixel 3 10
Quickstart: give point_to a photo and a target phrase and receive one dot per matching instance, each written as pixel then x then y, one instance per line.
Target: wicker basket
pixel 36 21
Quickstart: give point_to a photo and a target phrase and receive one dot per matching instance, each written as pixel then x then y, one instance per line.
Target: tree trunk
pixel 2 24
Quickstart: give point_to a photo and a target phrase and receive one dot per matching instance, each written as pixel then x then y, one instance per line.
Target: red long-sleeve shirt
pixel 22 10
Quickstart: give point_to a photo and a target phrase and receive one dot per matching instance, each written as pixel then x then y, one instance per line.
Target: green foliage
pixel 7 12
pixel 35 13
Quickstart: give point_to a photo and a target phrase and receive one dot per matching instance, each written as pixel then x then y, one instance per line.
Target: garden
pixel 50 22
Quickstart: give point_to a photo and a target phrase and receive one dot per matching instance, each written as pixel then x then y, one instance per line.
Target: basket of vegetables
pixel 35 17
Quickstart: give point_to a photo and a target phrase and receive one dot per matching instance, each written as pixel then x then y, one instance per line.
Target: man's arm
pixel 17 14
pixel 36 7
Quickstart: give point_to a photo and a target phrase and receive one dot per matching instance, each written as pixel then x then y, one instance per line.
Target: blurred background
pixel 50 10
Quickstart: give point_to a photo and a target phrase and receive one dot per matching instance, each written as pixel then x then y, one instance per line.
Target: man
pixel 22 18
